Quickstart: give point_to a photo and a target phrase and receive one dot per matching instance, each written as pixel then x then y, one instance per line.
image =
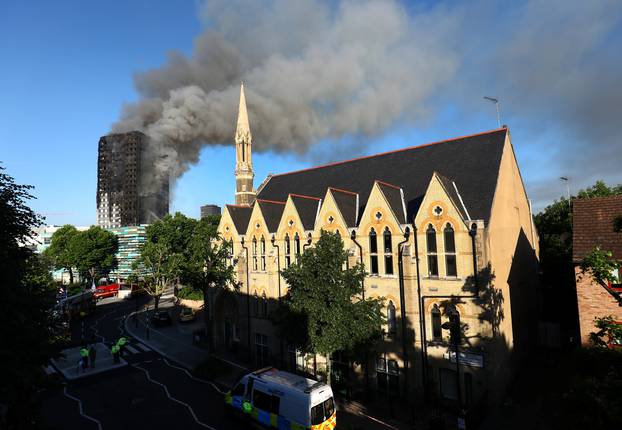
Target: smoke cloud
pixel 316 70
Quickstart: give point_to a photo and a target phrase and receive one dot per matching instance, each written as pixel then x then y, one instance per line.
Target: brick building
pixel 593 226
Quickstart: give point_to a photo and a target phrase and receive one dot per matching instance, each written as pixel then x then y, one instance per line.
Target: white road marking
pixel 131 349
pixel 193 377
pixel 174 399
pixel 99 424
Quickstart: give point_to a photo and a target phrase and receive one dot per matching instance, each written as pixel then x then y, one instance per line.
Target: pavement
pixel 69 364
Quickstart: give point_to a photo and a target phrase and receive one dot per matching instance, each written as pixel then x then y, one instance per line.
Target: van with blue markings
pixel 283 400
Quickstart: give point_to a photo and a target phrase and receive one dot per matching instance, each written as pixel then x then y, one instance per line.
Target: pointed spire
pixel 243 130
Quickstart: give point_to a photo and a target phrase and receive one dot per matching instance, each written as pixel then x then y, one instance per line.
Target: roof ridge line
pixel 304 197
pixel 343 191
pixel 271 201
pixel 388 185
pixel 392 152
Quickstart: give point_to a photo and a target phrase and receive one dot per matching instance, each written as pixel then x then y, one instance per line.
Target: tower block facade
pixel 244 192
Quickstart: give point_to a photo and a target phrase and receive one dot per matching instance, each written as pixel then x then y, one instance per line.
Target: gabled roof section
pixel 593 225
pixel 307 208
pixel 394 196
pixel 472 161
pixel 451 188
pixel 347 202
pixel 240 215
pixel 271 211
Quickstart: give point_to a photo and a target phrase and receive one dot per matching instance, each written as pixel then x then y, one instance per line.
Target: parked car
pixel 108 290
pixel 161 318
pixel 187 314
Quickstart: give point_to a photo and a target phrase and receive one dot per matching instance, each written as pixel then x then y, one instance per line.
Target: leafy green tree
pixel 600 189
pixel 208 268
pixel 60 250
pixel 95 250
pixel 27 294
pixel 327 297
pixel 165 254
pixel 609 332
pixel 600 264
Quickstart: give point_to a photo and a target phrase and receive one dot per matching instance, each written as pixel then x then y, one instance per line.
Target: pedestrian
pixel 121 344
pixel 92 355
pixel 84 353
pixel 115 354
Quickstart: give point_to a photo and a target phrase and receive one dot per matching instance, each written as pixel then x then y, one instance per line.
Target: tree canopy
pixel 27 295
pixel 325 298
pixel 60 250
pixel 95 252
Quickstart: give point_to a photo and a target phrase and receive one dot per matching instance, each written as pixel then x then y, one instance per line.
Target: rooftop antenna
pixel 496 102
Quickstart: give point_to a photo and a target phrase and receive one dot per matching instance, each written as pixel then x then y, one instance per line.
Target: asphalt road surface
pixel 151 393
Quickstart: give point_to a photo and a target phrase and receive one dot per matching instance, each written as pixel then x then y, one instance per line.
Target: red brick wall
pixel 594 301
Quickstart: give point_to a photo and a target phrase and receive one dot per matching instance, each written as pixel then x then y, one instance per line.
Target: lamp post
pixel 453 325
pixel 248 303
pixel 566 179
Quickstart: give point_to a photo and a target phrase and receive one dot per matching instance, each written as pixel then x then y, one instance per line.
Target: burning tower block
pixel 121 183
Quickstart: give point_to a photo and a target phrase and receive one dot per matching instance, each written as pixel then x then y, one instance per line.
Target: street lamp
pixel 496 102
pixel 453 325
pixel 566 179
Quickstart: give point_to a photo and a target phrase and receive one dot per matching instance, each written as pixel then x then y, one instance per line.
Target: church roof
pixel 307 208
pixel 472 161
pixel 393 195
pixel 271 211
pixel 240 216
pixel 448 184
pixel 347 203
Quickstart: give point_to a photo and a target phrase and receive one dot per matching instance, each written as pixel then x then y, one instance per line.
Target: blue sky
pixel 68 66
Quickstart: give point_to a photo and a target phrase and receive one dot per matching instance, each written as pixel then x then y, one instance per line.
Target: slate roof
pixel 346 202
pixel 472 161
pixel 272 211
pixel 592 226
pixel 240 216
pixel 307 208
pixel 448 184
pixel 393 195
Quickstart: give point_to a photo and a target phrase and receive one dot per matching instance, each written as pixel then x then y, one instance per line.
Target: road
pixel 150 393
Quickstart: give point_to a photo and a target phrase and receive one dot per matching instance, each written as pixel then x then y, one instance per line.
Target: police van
pixel 282 400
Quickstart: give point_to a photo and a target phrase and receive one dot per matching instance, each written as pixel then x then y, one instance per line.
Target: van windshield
pixel 322 411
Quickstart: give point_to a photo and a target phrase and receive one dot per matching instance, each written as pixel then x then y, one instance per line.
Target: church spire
pixel 243 130
pixel 244 192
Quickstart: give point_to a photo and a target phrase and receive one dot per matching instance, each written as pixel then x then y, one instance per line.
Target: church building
pixel 445 233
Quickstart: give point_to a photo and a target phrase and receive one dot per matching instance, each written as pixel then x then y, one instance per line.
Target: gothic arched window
pixel 297 245
pixel 255 304
pixel 450 251
pixel 263 253
pixel 388 251
pixel 264 305
pixel 254 253
pixel 437 333
pixel 391 321
pixel 432 251
pixel 288 251
pixel 373 252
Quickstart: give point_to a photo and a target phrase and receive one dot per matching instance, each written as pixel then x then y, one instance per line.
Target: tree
pixel 554 226
pixel 327 297
pixel 61 252
pixel 609 332
pixel 27 294
pixel 601 265
pixel 165 253
pixel 208 267
pixel 95 250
